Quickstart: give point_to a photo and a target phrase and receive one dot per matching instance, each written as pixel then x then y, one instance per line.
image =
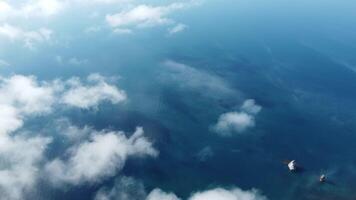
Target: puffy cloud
pixel 20 159
pixel 105 153
pixel 26 94
pixel 30 8
pixel 125 188
pixel 22 154
pixel 237 122
pixel 223 194
pixel 43 8
pixel 231 122
pixel 146 15
pixel 22 96
pixel 29 38
pixel 158 194
pixel 10 119
pixel 97 90
pixel 251 107
pixel 177 28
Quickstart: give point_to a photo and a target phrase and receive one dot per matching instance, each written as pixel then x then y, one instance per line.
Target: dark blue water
pixel 289 58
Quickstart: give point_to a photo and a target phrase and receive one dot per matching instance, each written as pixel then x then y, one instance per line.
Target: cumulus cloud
pixel 24 96
pixel 177 28
pixel 29 38
pixel 19 170
pixel 146 15
pixel 97 89
pixel 231 122
pixel 158 194
pixel 105 152
pixel 123 190
pixel 237 122
pixel 224 194
pixel 251 107
pixel 22 152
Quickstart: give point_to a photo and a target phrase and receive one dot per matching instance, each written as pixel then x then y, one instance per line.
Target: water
pixel 286 57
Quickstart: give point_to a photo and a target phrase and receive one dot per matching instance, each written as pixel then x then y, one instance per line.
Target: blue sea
pixel 296 59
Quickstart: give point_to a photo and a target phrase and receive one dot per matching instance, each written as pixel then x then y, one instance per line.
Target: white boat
pixel 292 165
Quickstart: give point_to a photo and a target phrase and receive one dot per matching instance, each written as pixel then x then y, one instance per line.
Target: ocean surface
pixel 295 59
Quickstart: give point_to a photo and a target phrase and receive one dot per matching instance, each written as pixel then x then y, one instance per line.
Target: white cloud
pixel 23 97
pixel 43 8
pixel 30 9
pixel 105 153
pixel 251 107
pixel 90 95
pixel 29 38
pixel 158 194
pixel 237 122
pixel 146 15
pixel 178 28
pixel 223 194
pixel 26 95
pixel 232 122
pixel 20 164
pixel 10 119
pixel 125 188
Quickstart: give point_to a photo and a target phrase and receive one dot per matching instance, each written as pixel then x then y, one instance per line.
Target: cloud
pixel 26 95
pixel 125 188
pixel 192 78
pixel 29 38
pixel 177 28
pixel 143 15
pixel 234 122
pixel 224 194
pixel 43 8
pixel 237 122
pixel 22 151
pixel 251 107
pixel 105 153
pixel 158 194
pixel 90 95
pixel 71 132
pixel 30 9
pixel 20 164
